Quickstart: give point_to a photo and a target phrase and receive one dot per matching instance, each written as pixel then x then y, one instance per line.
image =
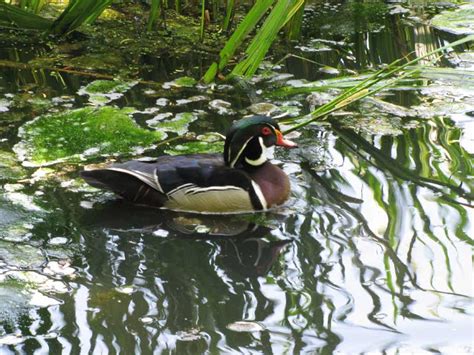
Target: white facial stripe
pixel 259 194
pixel 262 158
pixel 240 153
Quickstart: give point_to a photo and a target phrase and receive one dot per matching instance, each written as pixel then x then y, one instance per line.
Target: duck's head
pixel 248 139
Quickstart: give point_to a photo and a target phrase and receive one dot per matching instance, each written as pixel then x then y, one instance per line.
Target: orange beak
pixel 284 142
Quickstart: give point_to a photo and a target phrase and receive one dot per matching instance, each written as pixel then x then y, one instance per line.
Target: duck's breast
pixel 273 183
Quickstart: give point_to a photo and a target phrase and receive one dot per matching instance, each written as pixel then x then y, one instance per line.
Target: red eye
pixel 266 131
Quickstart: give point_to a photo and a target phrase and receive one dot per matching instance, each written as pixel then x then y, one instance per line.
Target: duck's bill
pixel 284 142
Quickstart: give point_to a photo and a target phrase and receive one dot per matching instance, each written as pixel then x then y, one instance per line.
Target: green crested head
pixel 248 138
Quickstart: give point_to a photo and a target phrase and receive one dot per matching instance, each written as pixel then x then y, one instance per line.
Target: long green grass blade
pixel 295 24
pixel 280 15
pixel 246 26
pixel 33 6
pixel 77 13
pixel 366 87
pixel 203 20
pixel 154 12
pixel 228 15
pixel 14 16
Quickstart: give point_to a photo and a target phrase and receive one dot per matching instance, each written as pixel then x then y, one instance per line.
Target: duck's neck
pixel 252 155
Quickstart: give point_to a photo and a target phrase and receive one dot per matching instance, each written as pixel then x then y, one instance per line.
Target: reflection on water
pixel 373 253
pixel 364 252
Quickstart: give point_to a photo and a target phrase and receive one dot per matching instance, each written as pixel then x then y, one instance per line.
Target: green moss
pixel 107 86
pixel 86 132
pixel 101 92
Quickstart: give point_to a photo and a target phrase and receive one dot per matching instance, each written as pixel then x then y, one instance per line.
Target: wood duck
pixel 240 180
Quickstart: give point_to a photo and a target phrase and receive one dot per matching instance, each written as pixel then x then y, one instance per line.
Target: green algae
pixel 458 22
pixel 9 167
pixel 210 142
pixel 184 81
pixel 101 92
pixel 14 222
pixel 178 124
pixel 82 134
pixel 22 256
pixel 107 86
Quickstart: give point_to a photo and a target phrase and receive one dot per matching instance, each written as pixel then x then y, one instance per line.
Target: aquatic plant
pixel 76 13
pixel 385 77
pixel 82 133
pixel 281 13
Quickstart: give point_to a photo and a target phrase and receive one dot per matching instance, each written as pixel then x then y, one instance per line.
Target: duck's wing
pixel 188 182
pixel 131 185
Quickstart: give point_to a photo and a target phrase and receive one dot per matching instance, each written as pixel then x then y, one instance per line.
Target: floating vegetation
pixel 10 168
pixel 191 99
pixel 190 335
pixel 4 105
pixel 19 255
pixel 453 102
pixel 263 108
pixel 81 134
pixel 314 45
pixel 245 326
pixel 196 147
pixel 221 107
pixel 205 143
pixel 101 92
pixel 33 284
pixel 162 102
pixel 16 220
pixel 373 124
pixel 184 81
pixel 458 22
pixel 179 124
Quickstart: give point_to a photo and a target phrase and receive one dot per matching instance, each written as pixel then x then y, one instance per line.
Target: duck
pixel 240 180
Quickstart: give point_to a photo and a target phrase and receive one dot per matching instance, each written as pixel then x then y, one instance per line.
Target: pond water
pixel 373 252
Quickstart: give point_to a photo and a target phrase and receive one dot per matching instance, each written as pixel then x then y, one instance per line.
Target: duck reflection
pixel 244 245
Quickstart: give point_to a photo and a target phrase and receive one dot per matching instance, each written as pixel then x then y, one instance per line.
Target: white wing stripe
pixel 259 193
pixel 146 178
pixel 197 190
pixel 180 187
pixel 157 180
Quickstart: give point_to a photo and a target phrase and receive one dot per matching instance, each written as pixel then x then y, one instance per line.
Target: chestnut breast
pixel 273 182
